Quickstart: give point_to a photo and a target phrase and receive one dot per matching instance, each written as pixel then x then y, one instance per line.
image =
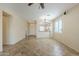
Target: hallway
pixel 38 47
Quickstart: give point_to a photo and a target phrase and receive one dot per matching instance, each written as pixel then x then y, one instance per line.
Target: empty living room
pixel 39 29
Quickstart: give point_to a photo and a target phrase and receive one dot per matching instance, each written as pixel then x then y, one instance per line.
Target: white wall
pixel 18 29
pixel 18 26
pixel 70 35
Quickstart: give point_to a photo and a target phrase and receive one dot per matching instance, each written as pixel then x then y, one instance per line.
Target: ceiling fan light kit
pixel 41 5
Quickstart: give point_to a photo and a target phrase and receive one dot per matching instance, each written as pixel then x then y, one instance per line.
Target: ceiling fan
pixel 41 5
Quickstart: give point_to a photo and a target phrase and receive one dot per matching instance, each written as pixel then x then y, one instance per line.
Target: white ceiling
pixel 34 12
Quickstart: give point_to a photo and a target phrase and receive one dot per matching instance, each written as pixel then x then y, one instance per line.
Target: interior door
pixel 1 30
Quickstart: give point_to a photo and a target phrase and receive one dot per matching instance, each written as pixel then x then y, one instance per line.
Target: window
pixel 42 28
pixel 44 25
pixel 58 25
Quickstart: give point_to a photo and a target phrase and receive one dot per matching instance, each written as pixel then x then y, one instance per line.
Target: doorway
pixel 31 29
pixel 6 27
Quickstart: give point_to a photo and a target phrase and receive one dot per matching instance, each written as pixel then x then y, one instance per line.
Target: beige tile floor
pixel 38 47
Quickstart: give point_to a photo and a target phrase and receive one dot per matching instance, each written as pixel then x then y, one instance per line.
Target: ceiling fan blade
pixel 30 4
pixel 42 5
